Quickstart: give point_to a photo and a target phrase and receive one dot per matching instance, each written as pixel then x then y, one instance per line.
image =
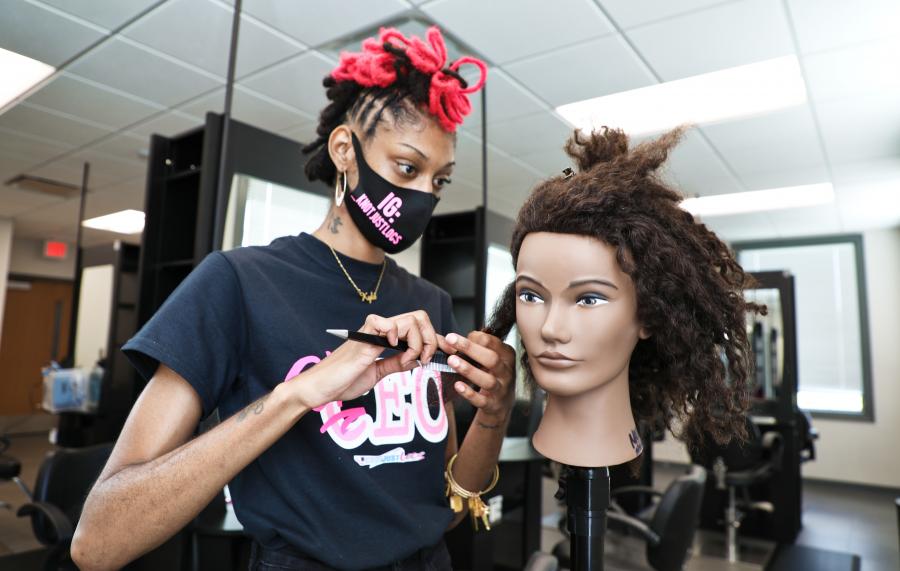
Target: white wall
pixel 28 259
pixel 6 232
pixel 849 451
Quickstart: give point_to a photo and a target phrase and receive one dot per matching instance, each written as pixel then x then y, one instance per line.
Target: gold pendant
pixel 368 297
pixel 479 511
pixel 456 503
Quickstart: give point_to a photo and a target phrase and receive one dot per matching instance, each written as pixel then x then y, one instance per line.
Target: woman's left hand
pixel 496 377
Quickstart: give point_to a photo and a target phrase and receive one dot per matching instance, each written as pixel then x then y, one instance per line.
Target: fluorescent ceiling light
pixel 760 200
pixel 18 74
pixel 124 222
pixel 736 92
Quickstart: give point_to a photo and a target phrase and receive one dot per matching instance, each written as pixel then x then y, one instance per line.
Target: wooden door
pixel 35 330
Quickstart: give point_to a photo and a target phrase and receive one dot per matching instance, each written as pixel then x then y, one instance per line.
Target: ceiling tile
pixel 857 70
pixel 56 128
pixel 544 130
pixel 167 124
pixel 128 67
pixel 459 196
pixel 809 221
pixel 296 82
pixel 324 21
pixel 695 169
pixel 503 170
pixel 508 201
pixel 14 201
pixel 199 32
pixel 109 201
pixel 87 100
pixel 826 24
pixel 249 107
pixel 742 227
pixel 42 34
pixel 549 161
pixel 728 35
pixel 107 13
pixel 11 165
pixel 861 128
pixel 124 145
pixel 506 100
pixel 528 26
pixel 302 133
pixel 583 71
pixel 60 213
pixel 781 141
pixel 32 149
pixel 105 170
pixel 628 13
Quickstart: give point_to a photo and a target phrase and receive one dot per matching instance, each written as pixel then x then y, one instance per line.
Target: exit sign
pixel 55 250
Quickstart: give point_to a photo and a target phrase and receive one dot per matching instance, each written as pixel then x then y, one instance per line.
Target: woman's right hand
pixel 352 370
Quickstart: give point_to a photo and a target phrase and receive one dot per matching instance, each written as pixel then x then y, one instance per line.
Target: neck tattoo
pixel 635 440
pixel 335 222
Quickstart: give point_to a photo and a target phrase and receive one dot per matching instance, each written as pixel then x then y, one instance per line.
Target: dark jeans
pixel 435 558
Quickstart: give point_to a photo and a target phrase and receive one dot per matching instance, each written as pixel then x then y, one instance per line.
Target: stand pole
pixel 587 498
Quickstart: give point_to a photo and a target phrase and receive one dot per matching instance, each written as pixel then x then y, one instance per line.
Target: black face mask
pixel 390 217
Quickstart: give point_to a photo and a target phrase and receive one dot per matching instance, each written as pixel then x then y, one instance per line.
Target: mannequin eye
pixel 529 296
pixel 591 300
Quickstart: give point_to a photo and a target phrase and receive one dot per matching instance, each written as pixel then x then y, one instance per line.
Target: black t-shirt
pixel 354 484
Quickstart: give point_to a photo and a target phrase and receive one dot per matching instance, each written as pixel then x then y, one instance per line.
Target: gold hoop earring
pixel 340 189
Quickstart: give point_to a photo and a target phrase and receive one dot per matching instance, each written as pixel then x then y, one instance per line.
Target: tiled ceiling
pixel 132 68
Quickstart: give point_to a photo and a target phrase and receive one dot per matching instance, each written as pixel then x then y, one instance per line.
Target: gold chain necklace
pixel 367 297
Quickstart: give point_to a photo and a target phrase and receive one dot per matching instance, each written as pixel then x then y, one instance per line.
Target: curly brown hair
pixel 696 363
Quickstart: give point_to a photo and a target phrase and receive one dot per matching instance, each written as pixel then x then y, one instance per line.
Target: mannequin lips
pixel 555 360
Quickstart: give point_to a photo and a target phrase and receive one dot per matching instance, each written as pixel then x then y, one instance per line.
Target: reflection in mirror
pixel 766 334
pixel 831 348
pixel 260 211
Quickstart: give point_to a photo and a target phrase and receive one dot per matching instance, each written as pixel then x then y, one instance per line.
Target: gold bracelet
pixel 456 493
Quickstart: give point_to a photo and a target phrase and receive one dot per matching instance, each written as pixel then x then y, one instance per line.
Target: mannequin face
pixel 576 312
pixel 414 153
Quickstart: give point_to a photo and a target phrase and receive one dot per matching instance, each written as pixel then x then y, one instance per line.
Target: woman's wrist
pixel 492 420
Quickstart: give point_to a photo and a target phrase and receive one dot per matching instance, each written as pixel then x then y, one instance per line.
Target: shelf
pixel 455 240
pixel 183 174
pixel 174 264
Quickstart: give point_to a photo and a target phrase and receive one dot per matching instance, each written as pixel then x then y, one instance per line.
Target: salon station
pixel 449 284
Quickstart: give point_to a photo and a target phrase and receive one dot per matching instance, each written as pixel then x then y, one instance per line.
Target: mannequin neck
pixel 590 429
pixel 339 232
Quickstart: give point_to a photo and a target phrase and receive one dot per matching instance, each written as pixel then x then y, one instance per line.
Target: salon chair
pixel 808 436
pixel 10 468
pixel 735 468
pixel 63 482
pixel 667 526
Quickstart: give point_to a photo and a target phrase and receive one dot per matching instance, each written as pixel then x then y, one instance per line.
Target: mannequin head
pixel 576 311
pixel 662 339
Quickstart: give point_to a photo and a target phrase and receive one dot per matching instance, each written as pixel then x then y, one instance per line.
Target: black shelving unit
pixel 179 209
pixel 116 394
pixel 185 203
pixel 454 257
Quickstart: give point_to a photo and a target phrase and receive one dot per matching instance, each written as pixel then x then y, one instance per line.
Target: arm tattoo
pixel 335 222
pixel 255 407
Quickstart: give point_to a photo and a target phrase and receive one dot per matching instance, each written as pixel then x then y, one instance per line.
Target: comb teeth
pixel 438 363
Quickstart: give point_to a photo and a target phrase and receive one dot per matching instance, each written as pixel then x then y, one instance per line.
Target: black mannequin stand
pixel 587 498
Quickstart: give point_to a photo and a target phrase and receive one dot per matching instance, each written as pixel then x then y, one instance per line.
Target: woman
pixel 341 466
pixel 628 308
